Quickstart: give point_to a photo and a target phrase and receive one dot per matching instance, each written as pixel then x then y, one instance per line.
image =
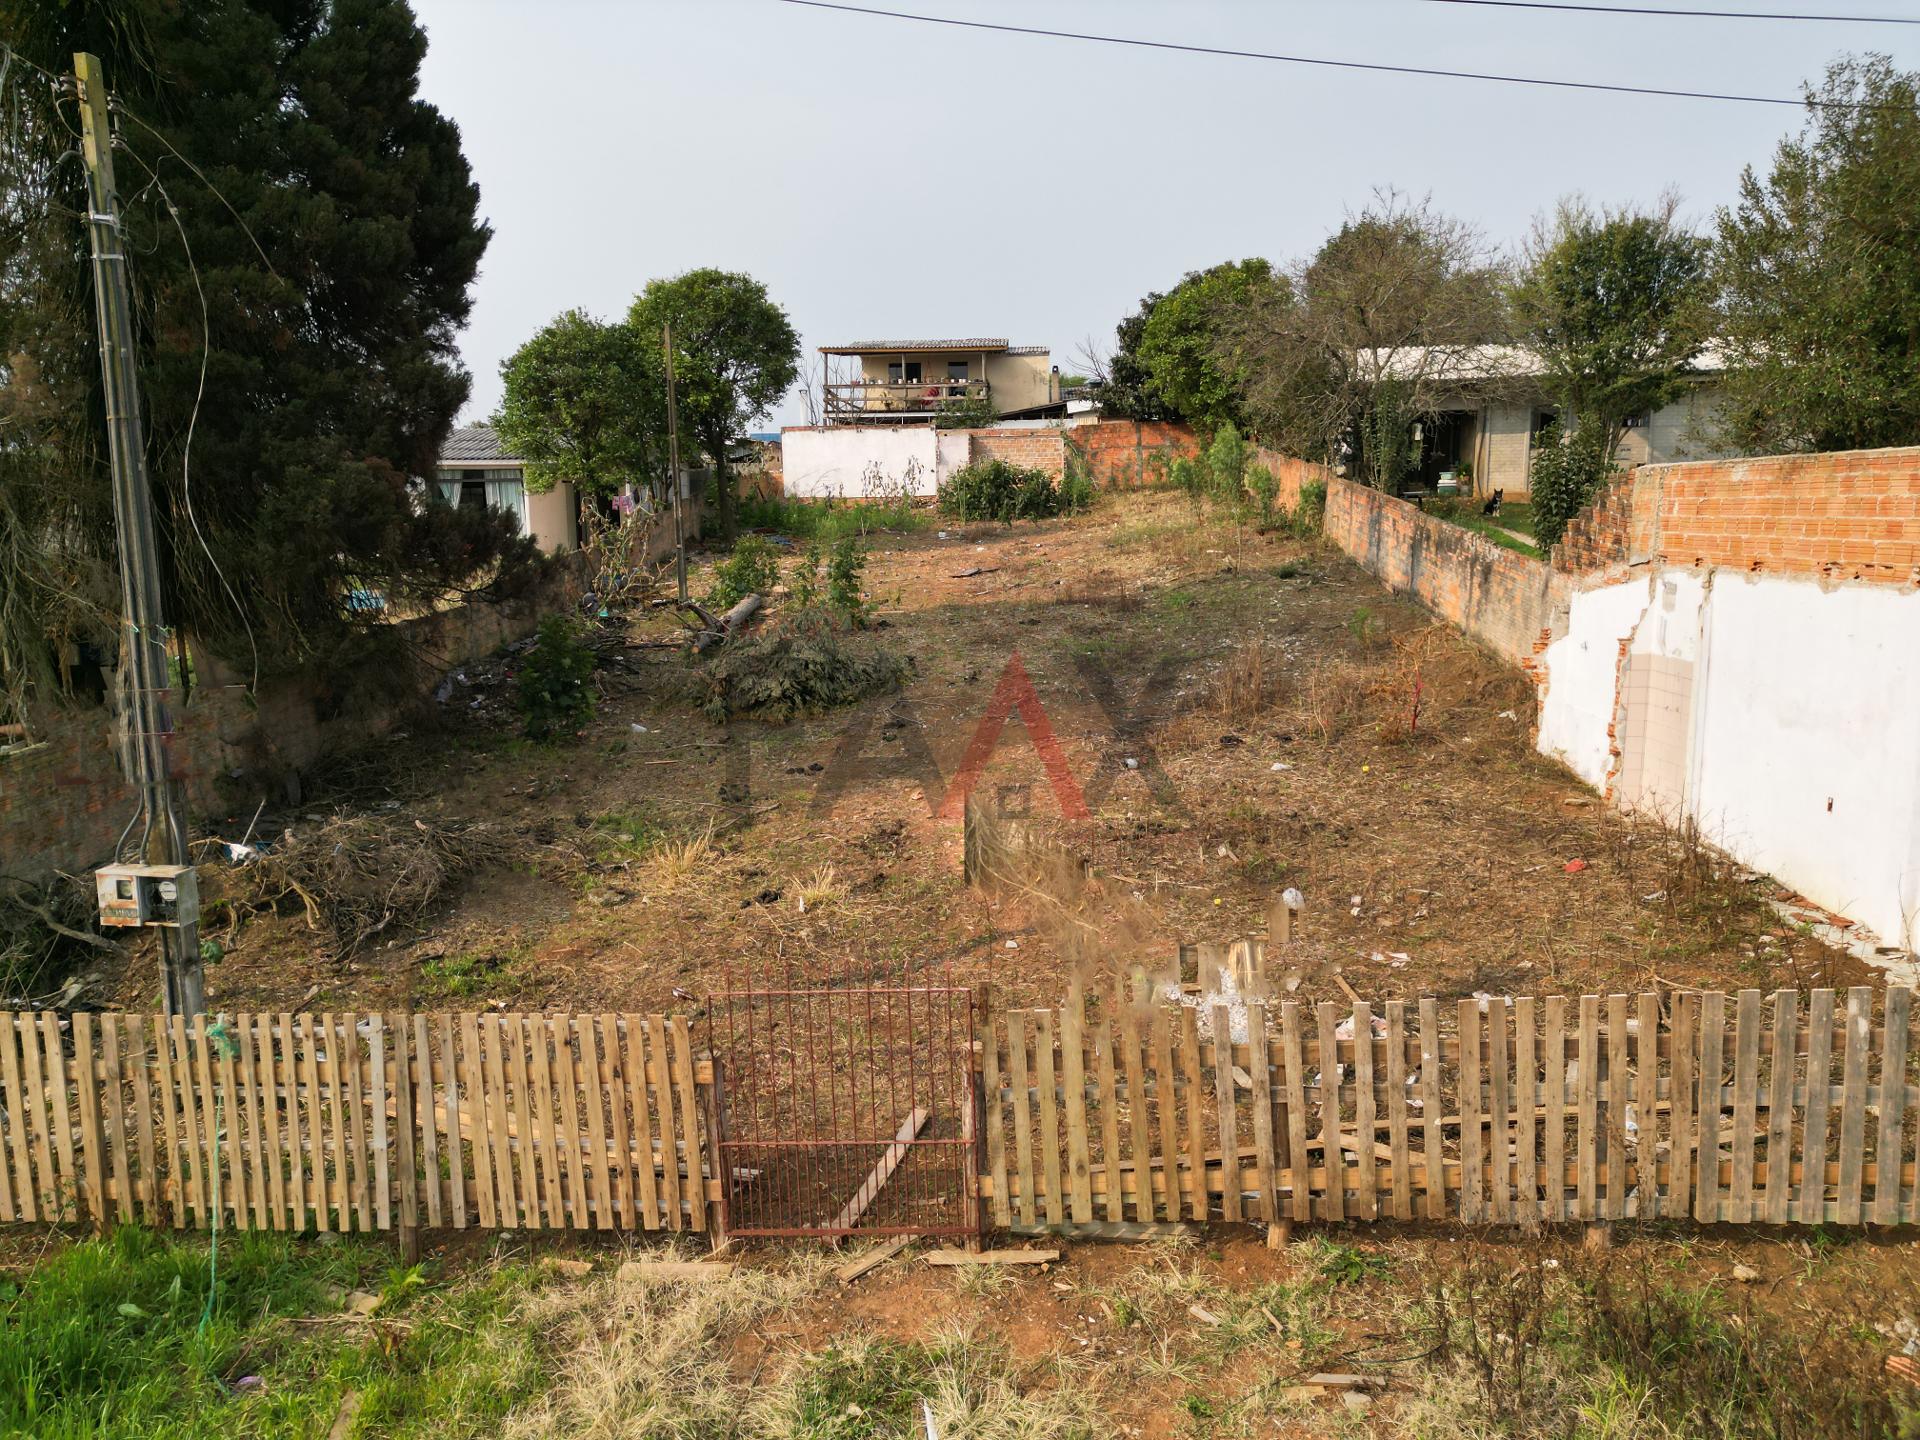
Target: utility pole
pixel 673 465
pixel 147 714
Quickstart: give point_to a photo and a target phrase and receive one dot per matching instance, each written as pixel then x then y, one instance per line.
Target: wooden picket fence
pixel 356 1121
pixel 1124 1108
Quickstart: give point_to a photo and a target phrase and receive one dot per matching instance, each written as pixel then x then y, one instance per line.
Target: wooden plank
pixel 40 1114
pixel 889 1161
pixel 633 1051
pixel 406 1159
pixel 1526 1095
pixel 1619 1087
pixel 1139 1133
pixel 286 1053
pixel 1586 1099
pixel 611 1073
pixel 1646 1102
pixel 1853 1103
pixel 543 1140
pixel 1499 1114
pixel 456 1150
pixel 428 1107
pixel 1293 1059
pixel 93 1139
pixel 1023 1164
pixel 230 1132
pixel 182 1146
pixel 1197 1202
pixel 1553 1146
pixel 21 1105
pixel 873 1259
pixel 1224 1096
pixel 118 1138
pixel 1779 1197
pixel 1746 1099
pixel 1365 1119
pixel 518 1034
pixel 1473 1197
pixel 1073 1069
pixel 378 1048
pixel 1706 1200
pixel 1681 1118
pixel 1259 1068
pixel 140 1055
pixel 992 1257
pixel 473 1087
pixel 1166 1103
pixel 245 1030
pixel 1401 1165
pixel 1333 1202
pixel 273 1139
pixel 689 1122
pixel 493 1037
pixel 1893 1095
pixel 1813 1138
pixel 316 1128
pixel 1431 1109
pixel 590 1079
pixel 567 1127
pixel 1049 1116
pixel 995 1108
pixel 669 1142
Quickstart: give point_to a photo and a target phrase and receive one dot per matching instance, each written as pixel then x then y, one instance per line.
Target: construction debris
pixel 992 1257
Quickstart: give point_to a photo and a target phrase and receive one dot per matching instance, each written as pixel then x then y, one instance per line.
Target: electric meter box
pixel 133 895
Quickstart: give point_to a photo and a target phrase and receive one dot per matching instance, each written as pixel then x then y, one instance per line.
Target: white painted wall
pixel 1804 758
pixel 831 463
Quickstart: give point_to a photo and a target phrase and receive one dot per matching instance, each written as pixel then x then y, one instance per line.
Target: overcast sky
pixel 886 178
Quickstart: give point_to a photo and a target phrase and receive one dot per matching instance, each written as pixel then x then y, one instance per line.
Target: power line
pixel 1686 14
pixel 1334 64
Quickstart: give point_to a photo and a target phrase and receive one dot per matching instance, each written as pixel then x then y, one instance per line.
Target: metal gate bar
pixel 849 1106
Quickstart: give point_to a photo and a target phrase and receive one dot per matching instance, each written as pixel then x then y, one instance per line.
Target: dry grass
pixel 676 861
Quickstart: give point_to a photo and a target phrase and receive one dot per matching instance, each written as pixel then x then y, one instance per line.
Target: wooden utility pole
pixel 673 465
pixel 147 713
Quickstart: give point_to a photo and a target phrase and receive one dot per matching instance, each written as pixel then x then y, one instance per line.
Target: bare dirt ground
pixel 1240 713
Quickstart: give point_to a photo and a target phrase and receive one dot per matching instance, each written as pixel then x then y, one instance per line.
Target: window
pixel 957 372
pixel 1545 422
pixel 910 373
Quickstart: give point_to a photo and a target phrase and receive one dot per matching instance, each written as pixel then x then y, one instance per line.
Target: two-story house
pixel 907 382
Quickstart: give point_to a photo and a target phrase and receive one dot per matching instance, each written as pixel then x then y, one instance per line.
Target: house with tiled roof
pixel 477 469
pixel 911 382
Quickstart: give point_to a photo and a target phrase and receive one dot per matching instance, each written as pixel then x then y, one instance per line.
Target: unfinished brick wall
pixel 1849 515
pixel 1509 602
pixel 1033 449
pixel 1127 454
pixel 1292 473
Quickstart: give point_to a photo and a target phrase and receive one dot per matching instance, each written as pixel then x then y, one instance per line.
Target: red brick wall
pixel 1043 449
pixel 1121 454
pixel 1292 473
pixel 1851 515
pixel 1509 602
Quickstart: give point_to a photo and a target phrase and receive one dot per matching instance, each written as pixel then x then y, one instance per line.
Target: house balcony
pixel 884 402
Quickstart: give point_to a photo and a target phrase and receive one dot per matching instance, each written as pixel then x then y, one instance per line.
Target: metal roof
pixel 476 445
pixel 896 347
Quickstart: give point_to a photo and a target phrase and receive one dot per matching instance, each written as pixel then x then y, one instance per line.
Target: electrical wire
pixel 1598 85
pixel 124 109
pixel 1684 14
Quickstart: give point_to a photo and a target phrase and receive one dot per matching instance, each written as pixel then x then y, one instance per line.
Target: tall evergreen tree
pixel 277 166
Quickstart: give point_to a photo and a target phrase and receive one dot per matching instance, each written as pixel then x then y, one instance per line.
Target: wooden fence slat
pixel 633 1057
pixel 1334 1204
pixel 1499 1113
pixel 1586 1093
pixel 1853 1104
pixel 544 1141
pixel 1814 1126
pixel 612 1070
pixel 245 1030
pixel 989 1040
pixel 20 1107
pixel 567 1079
pixel 1049 1116
pixel 1401 1165
pixel 520 1028
pixel 1166 1102
pixel 1707 1194
pixel 456 1149
pixel 293 1164
pixel 689 1122
pixel 180 1083
pixel 427 1110
pixel 499 1146
pixel 1473 1200
pixel 267 1066
pixel 1073 1073
pixel 1746 1098
pixel 1432 1108
pixel 1553 1146
pixel 474 1101
pixel 594 1095
pixel 1779 1194
pixel 1105 1078
pixel 377 1050
pixel 1225 1094
pixel 220 1192
pixel 1139 1132
pixel 140 1052
pixel 1887 1150
pixel 229 1131
pixel 661 1070
pixel 406 1155
pixel 114 1083
pixel 40 1112
pixel 311 1159
pixel 1646 1103
pixel 1023 1117
pixel 1366 1129
pixel 1526 1093
pixel 1299 1162
pixel 93 1140
pixel 1196 1116
pixel 1619 1079
pixel 1258 1069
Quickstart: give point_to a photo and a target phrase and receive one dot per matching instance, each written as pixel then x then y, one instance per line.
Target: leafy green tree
pixel 331 230
pixel 735 355
pixel 1616 304
pixel 1191 365
pixel 587 402
pixel 1123 384
pixel 1818 266
pixel 1568 469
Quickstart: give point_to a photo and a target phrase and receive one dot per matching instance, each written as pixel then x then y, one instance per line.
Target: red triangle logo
pixel 1015 690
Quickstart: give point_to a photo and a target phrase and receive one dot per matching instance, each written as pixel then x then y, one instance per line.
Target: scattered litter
pixel 238 853
pixel 1745 1274
pixel 1131 763
pixel 1655 898
pixel 1574 867
pixel 572 1269
pixel 638 728
pixel 1292 898
pixel 1399 959
pixel 1508 715
pixel 1279 765
pixel 972 571
pixel 1013 944
pixel 945 536
pixel 248 1384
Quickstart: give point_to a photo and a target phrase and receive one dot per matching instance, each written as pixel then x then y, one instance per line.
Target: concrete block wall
pixel 1033 449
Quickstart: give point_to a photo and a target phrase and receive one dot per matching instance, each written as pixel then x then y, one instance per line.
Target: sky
pixel 891 179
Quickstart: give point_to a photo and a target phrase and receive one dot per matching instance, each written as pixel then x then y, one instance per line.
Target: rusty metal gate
pixel 847 1105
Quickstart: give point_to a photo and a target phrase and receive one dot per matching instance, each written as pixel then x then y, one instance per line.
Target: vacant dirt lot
pixel 1238 713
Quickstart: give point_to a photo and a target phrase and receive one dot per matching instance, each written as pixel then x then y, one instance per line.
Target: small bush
pixel 803 583
pixel 556 681
pixel 802 665
pixel 1076 487
pixel 1568 471
pixel 995 490
pixel 751 569
pixel 1265 489
pixel 844 570
pixel 1310 514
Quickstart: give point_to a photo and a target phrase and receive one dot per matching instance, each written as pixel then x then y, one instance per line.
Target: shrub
pixel 1076 486
pixel 1227 465
pixel 1265 489
pixel 1568 470
pixel 1310 514
pixel 844 595
pixel 995 490
pixel 801 665
pixel 556 681
pixel 803 584
pixel 751 569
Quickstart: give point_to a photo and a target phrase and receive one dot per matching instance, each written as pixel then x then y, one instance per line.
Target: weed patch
pixel 802 665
